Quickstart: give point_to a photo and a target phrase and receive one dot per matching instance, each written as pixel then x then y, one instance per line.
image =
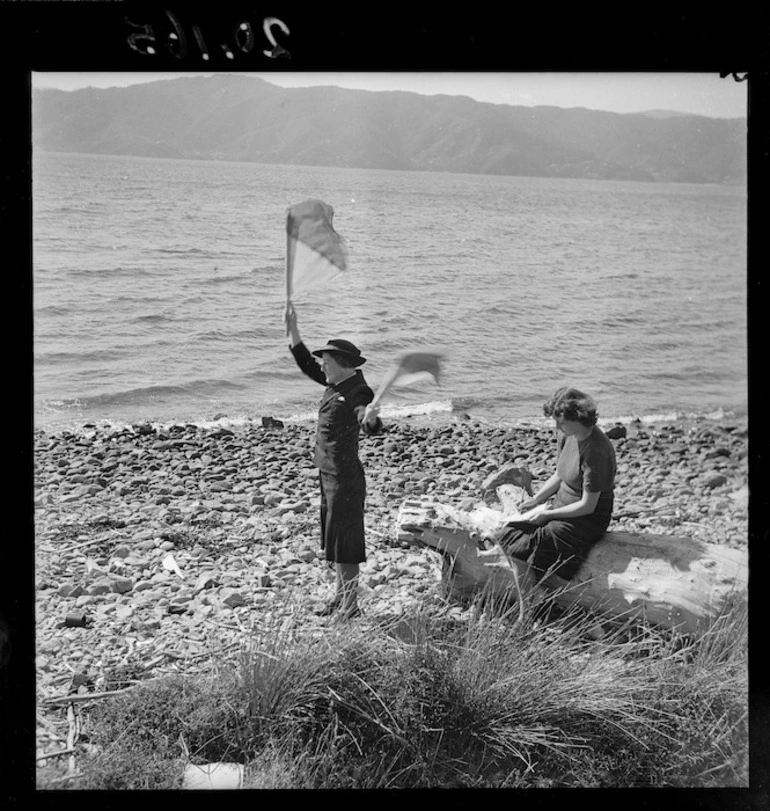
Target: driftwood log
pixel 670 581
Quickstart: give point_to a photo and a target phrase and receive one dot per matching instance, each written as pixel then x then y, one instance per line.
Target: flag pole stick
pixel 384 388
pixel 380 394
pixel 288 266
pixel 387 381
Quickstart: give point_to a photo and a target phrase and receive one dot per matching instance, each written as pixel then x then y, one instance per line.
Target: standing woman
pixel 345 409
pixel 556 538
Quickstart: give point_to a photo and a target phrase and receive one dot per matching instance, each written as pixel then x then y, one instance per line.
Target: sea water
pixel 159 290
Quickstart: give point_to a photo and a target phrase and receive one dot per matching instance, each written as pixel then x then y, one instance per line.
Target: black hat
pixel 344 347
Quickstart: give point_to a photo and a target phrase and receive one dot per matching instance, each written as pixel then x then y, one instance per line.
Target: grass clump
pixel 427 701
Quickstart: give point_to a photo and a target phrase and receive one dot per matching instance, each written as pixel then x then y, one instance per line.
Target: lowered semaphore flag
pixel 408 368
pixel 315 252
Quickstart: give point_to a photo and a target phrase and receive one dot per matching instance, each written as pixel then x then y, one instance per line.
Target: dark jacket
pixel 338 428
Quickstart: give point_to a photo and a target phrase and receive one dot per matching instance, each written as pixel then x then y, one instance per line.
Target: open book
pixel 523 518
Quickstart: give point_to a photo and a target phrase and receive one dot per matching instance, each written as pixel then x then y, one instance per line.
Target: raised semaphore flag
pixel 315 252
pixel 408 368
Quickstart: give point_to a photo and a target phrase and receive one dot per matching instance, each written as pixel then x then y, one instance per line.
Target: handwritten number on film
pixel 172 37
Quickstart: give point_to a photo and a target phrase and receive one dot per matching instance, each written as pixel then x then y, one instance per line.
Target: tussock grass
pixel 428 701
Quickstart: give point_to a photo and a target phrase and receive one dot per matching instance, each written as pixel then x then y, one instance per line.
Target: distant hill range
pixel 242 118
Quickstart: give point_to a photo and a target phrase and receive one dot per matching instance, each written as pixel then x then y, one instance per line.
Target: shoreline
pixel 431 413
pixel 158 549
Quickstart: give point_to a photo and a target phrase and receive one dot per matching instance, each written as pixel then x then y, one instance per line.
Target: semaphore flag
pixel 315 252
pixel 408 368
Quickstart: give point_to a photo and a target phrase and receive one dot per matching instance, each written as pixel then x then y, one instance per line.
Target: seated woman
pixel 556 537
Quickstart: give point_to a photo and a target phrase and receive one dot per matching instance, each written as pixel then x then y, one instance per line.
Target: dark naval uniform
pixel 343 484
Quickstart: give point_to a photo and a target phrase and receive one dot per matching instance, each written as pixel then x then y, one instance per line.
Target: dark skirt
pixel 558 547
pixel 342 517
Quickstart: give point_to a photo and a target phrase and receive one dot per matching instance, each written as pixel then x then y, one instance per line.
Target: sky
pixel 697 93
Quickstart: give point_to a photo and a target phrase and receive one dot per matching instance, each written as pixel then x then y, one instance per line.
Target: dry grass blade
pixel 422 701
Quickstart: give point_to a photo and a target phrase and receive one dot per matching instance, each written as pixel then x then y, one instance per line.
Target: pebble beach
pixel 160 548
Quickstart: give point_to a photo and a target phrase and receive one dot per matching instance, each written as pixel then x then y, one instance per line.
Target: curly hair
pixel 571 404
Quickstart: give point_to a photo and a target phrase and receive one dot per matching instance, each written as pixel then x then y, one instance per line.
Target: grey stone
pixel 713 480
pixel 232 598
pixel 102 585
pixel 206 580
pixel 122 585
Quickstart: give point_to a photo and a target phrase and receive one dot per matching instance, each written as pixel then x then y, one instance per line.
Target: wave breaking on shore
pixel 433 412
